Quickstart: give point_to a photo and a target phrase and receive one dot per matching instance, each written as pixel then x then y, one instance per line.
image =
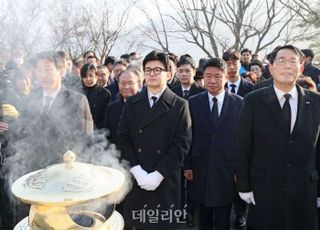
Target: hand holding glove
pixel 152 181
pixel 139 174
pixel 247 197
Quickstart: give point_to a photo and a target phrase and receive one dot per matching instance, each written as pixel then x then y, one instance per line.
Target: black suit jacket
pixel 175 82
pixel 98 98
pixel 194 89
pixel 65 126
pixel 112 119
pixel 280 168
pixel 244 87
pixel 114 89
pixel 312 71
pixel 156 138
pixel 213 150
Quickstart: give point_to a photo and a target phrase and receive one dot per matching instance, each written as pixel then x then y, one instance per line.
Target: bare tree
pixel 309 18
pixel 155 30
pixel 21 25
pixel 83 28
pixel 217 25
pixel 306 9
pixel 247 22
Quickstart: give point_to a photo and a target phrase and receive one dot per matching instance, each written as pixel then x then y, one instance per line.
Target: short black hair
pixel 214 62
pixel 157 56
pixel 125 57
pixel 51 56
pixel 110 59
pixel 85 69
pixel 308 53
pixel 173 57
pixel 231 55
pixel 89 51
pixel 186 60
pixel 290 47
pixel 246 50
pixel 255 62
pixel 120 62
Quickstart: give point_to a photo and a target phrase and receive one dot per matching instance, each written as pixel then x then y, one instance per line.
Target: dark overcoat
pixel 213 150
pixel 280 168
pixel 112 119
pixel 156 138
pixel 98 98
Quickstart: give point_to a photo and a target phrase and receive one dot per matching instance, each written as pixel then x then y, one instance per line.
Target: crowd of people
pixel 230 132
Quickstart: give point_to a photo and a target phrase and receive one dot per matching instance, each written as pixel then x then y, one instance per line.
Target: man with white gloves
pixel 154 135
pixel 279 149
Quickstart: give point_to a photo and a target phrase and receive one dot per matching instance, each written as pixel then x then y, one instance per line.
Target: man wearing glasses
pixel 279 149
pixel 154 135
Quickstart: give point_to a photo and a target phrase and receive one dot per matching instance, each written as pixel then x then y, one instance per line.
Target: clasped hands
pixel 146 181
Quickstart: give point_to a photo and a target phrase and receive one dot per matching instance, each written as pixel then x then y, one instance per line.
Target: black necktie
pixel 233 88
pixel 214 111
pixel 154 99
pixel 287 111
pixel 185 93
pixel 46 106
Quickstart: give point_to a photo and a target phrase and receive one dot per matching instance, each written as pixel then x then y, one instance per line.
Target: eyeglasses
pixel 283 61
pixel 156 71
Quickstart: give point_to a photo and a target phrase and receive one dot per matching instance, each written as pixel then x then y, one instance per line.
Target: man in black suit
pixel 128 86
pixel 187 87
pixel 310 69
pixel 186 72
pixel 235 84
pixel 279 149
pixel 118 67
pixel 154 136
pixel 55 120
pixel 211 167
pixel 173 80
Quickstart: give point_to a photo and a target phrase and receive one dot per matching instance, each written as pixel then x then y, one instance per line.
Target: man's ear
pixel 270 68
pixel 62 72
pixel 302 67
pixel 169 75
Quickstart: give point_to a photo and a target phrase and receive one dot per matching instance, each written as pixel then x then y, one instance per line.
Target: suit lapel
pixel 204 105
pixel 273 104
pixel 161 107
pixel 241 87
pixel 60 100
pixel 303 101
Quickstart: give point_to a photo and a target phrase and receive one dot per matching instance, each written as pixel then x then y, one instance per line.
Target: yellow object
pixel 9 111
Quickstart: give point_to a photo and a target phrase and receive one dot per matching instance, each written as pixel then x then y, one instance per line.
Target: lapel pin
pixel 308 102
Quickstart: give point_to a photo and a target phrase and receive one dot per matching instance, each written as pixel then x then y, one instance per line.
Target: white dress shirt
pixel 237 84
pixel 158 95
pixel 53 96
pixel 220 98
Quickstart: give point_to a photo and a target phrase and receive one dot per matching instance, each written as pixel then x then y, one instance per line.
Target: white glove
pixel 318 202
pixel 139 174
pixel 247 197
pixel 152 181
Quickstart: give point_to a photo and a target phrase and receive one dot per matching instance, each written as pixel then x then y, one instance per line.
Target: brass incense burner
pixel 59 195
